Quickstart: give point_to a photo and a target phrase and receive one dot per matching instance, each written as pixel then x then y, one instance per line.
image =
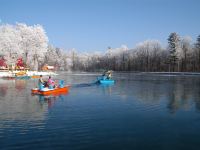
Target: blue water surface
pixel 140 111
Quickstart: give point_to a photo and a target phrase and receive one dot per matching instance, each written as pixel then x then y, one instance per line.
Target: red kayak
pixel 47 91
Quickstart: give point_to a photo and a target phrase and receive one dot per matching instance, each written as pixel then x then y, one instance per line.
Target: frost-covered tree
pixel 26 33
pixel 31 44
pixel 20 40
pixel 65 62
pixel 173 42
pixel 148 54
pixel 56 57
pixel 115 58
pixel 185 52
pixel 52 57
pixel 9 43
pixel 197 49
pixel 198 42
pixel 72 60
pixel 34 44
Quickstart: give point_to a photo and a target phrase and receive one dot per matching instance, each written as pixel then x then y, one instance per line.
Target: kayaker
pixel 109 75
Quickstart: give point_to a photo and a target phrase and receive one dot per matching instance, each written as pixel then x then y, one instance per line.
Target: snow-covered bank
pixel 29 73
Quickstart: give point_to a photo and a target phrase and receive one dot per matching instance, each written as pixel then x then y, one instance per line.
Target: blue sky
pixel 91 25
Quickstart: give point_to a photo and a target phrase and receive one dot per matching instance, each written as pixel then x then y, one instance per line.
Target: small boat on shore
pixel 47 91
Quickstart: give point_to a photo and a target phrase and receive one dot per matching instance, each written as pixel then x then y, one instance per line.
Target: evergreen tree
pixel 198 42
pixel 173 42
pixel 197 47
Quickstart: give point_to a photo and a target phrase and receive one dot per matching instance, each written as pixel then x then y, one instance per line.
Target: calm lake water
pixel 140 111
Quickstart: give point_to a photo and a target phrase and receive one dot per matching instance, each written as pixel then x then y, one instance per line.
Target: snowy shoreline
pixel 35 73
pixel 28 73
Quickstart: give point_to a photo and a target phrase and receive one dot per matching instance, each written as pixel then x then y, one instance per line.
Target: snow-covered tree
pixel 34 44
pixel 9 43
pixel 197 44
pixel 173 42
pixel 197 49
pixel 20 40
pixel 56 57
pixel 148 54
pixel 29 44
pixel 186 50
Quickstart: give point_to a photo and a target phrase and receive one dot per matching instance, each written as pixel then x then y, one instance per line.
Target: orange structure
pixel 47 91
pixel 35 76
pixel 47 67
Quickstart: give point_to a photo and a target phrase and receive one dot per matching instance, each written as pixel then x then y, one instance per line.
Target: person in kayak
pixel 109 75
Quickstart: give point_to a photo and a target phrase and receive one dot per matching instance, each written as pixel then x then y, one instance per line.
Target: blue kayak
pixel 104 80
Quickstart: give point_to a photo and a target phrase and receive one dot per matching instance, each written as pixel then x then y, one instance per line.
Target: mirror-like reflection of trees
pixel 4 86
pixel 171 92
pixel 176 92
pixel 180 93
pixel 20 84
pixel 16 102
pixel 3 90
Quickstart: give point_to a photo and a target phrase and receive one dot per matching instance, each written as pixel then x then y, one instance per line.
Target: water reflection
pixel 20 84
pixel 3 90
pixel 136 107
pixel 4 86
pixel 16 103
pixel 50 100
pixel 106 88
pixel 172 92
pixel 179 95
pixel 176 92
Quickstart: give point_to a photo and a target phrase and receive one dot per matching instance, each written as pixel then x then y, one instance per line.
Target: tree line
pixel 30 43
pixel 179 56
